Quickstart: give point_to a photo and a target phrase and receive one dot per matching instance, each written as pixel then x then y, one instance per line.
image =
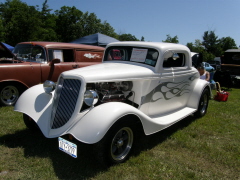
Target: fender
pixel 197 92
pixel 36 104
pixel 94 125
pixel 14 81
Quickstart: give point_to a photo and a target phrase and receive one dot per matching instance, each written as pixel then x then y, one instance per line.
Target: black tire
pixel 9 94
pixel 117 144
pixel 203 104
pixel 30 123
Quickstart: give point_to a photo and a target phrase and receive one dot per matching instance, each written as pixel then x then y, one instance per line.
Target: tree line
pixel 20 22
pixel 210 46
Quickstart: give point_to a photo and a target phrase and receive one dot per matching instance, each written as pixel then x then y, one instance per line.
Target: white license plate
pixel 67 147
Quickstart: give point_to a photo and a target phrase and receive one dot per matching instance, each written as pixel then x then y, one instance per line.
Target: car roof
pixel 63 45
pixel 233 50
pixel 159 45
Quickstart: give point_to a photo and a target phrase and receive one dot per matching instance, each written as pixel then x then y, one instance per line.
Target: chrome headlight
pixel 49 86
pixel 90 98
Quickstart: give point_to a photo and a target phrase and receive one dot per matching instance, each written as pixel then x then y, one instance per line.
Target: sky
pixel 154 19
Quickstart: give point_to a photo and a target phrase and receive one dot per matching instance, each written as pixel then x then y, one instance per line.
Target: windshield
pixel 29 52
pixel 142 55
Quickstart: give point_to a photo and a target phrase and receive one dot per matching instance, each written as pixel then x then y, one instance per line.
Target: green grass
pixel 205 148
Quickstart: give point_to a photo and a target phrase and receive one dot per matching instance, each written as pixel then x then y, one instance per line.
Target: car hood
pixel 111 71
pixel 7 53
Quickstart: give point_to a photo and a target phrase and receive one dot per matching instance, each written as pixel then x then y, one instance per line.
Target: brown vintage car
pixel 32 63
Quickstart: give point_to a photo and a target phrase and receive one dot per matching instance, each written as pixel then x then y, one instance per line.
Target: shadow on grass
pixel 150 141
pixel 85 166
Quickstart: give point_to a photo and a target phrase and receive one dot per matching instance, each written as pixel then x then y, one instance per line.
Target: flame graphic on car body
pixel 169 90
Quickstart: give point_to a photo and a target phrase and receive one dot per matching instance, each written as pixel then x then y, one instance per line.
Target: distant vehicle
pixel 231 62
pixel 33 63
pixel 215 64
pixel 208 67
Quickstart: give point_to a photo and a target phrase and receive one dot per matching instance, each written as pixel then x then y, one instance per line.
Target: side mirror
pixel 54 61
pixel 175 56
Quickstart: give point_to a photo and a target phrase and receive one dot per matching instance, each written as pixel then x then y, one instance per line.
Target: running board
pixel 172 118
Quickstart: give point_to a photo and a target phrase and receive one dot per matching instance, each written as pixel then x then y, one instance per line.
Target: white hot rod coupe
pixel 140 86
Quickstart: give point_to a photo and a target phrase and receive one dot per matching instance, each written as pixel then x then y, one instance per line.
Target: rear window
pixel 141 55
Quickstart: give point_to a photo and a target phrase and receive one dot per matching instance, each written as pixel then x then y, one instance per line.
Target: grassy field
pixel 205 148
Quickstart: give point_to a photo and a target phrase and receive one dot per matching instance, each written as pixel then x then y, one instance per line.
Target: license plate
pixel 67 147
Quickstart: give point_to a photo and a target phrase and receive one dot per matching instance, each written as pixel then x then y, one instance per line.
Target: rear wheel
pixel 203 104
pixel 9 94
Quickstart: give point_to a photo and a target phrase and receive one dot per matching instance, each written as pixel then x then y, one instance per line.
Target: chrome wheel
pixel 9 95
pixel 204 103
pixel 121 144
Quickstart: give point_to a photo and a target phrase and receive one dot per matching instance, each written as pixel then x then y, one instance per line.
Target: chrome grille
pixel 65 101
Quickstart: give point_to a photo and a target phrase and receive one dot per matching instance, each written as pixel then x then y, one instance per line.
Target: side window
pixel 65 55
pixel 68 55
pixel 170 62
pixel 55 54
pixel 151 58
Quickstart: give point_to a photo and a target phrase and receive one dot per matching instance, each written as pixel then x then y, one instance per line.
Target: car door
pixel 52 69
pixel 173 86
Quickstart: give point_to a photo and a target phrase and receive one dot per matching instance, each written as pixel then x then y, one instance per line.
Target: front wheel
pixel 30 123
pixel 9 94
pixel 203 104
pixel 117 143
pixel 121 144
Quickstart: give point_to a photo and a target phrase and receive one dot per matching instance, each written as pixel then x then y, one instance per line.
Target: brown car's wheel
pixel 9 94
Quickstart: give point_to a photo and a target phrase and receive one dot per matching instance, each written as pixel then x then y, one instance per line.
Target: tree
pixel 196 47
pixel 210 42
pixel 19 20
pixel 227 43
pixel 72 24
pixel 107 29
pixel 171 40
pixel 199 48
pixel 127 37
pixel 69 23
pixel 142 38
pixel 46 31
pixel 2 39
pixel 92 25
